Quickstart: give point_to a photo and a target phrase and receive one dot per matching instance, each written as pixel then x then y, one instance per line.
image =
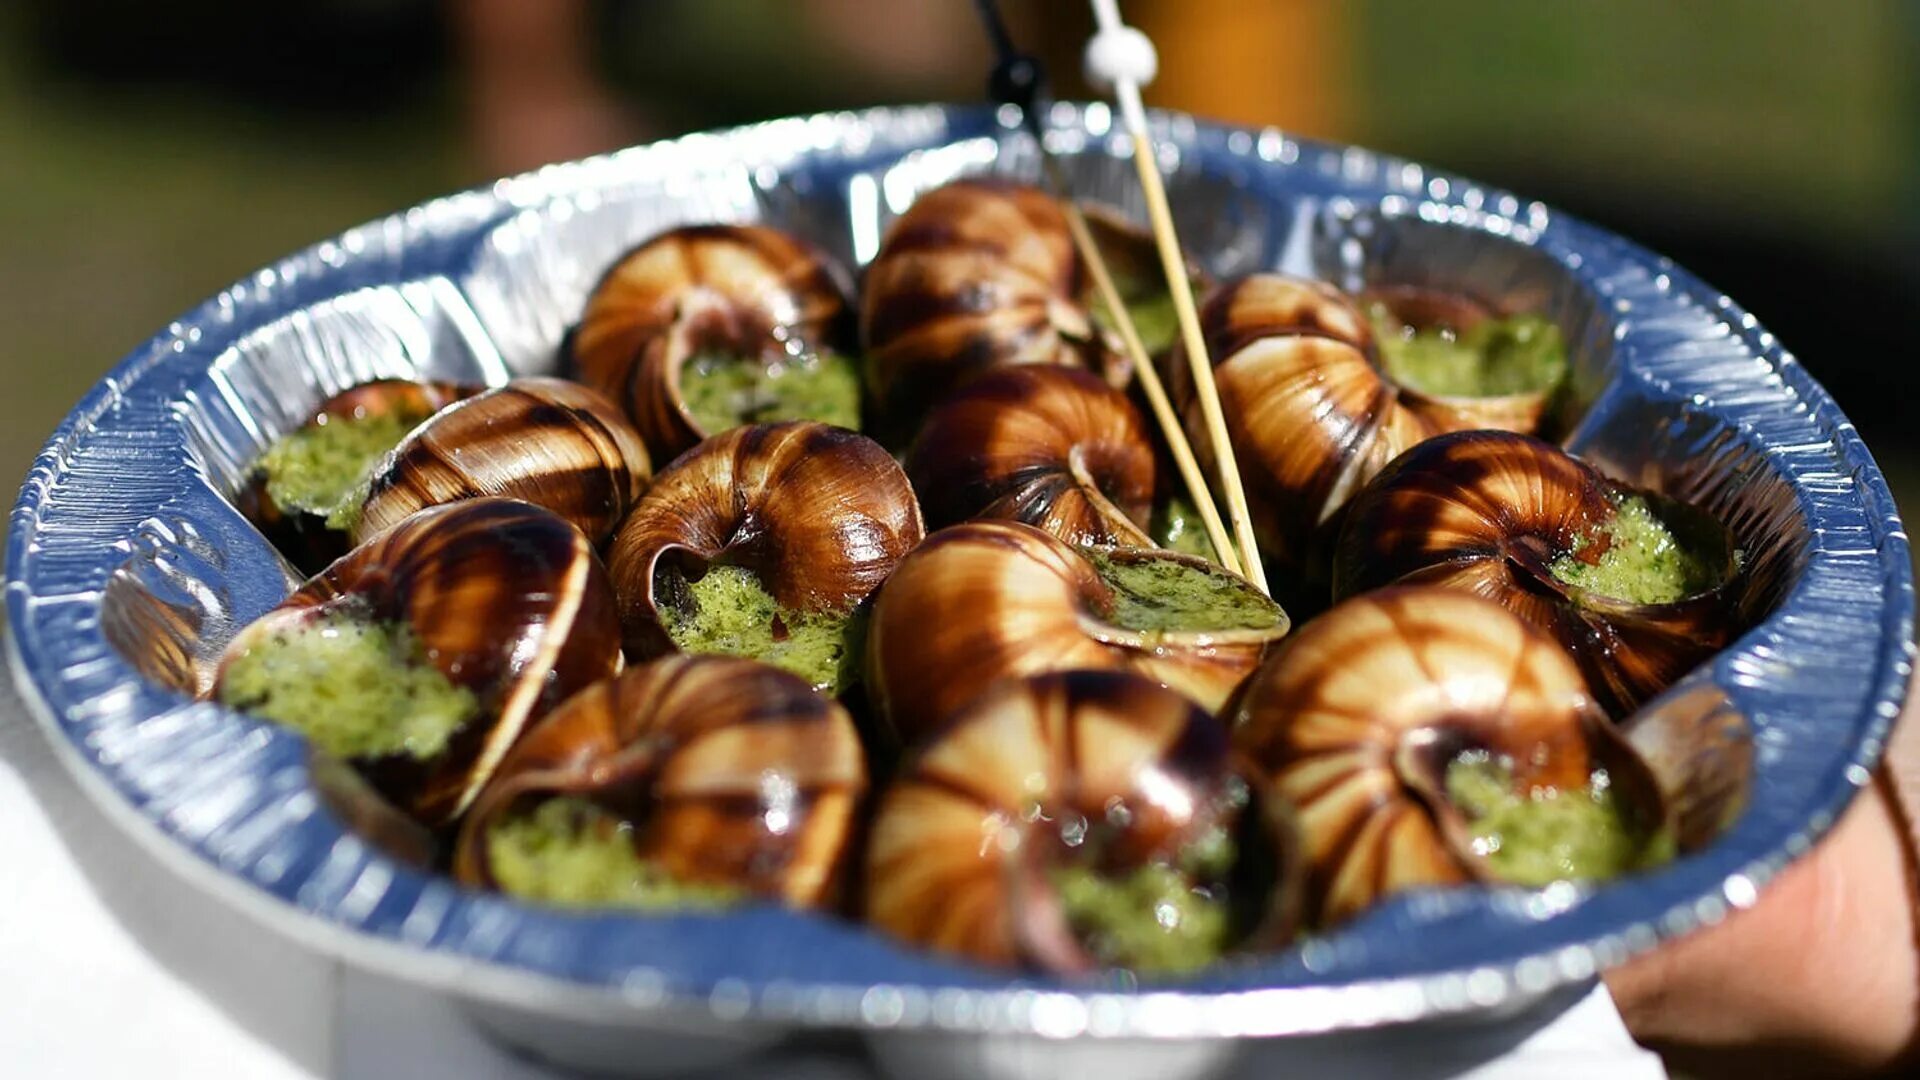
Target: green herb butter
pixel 724 392
pixel 1154 594
pixel 1642 562
pixel 732 614
pixel 1155 917
pixel 568 851
pixel 1497 357
pixel 322 468
pixel 357 689
pixel 1546 835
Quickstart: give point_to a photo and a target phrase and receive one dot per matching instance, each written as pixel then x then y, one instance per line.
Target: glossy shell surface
pixel 125 555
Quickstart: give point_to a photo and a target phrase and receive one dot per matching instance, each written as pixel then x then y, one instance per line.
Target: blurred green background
pixel 152 153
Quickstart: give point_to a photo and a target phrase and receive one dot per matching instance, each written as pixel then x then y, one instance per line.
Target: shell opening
pixel 356 687
pixel 1534 835
pixel 323 468
pixel 1642 556
pixel 571 851
pixel 1486 358
pixel 727 610
pixel 721 390
pixel 1150 592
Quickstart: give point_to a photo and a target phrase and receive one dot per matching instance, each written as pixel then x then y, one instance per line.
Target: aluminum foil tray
pixel 127 567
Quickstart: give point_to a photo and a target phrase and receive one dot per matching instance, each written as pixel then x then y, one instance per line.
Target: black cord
pixel 1017 77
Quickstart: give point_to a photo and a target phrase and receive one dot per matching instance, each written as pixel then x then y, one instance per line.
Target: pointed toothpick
pixel 1018 80
pixel 1122 56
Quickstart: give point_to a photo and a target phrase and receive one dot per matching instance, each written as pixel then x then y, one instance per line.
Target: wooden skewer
pixel 1156 392
pixel 1197 359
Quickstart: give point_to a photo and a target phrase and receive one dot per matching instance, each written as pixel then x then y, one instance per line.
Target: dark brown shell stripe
pixel 821 514
pixel 504 598
pixel 1047 445
pixel 1355 718
pixel 305 538
pixel 1486 512
pixel 546 441
pixel 968 816
pixel 975 275
pixel 730 771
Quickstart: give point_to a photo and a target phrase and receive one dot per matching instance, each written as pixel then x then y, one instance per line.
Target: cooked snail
pixel 1313 407
pixel 305 489
pixel 986 600
pixel 1051 446
pixel 707 327
pixel 765 542
pixel 977 274
pixel 1073 821
pixel 1429 737
pixel 1637 586
pixel 423 654
pixel 686 781
pixel 547 441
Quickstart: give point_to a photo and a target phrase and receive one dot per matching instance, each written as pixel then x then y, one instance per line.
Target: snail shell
pixel 730 771
pixel 1310 411
pixel 820 514
pixel 1488 512
pixel 304 537
pixel 1050 446
pixel 740 290
pixel 964 835
pixel 987 600
pixel 1356 717
pixel 546 441
pixel 504 598
pixel 977 274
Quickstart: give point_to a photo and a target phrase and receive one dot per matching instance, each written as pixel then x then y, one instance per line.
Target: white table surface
pixel 110 966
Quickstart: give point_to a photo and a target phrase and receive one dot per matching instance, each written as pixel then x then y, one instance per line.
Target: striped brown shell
pixel 730 772
pixel 546 441
pixel 503 597
pixel 1356 717
pixel 1487 512
pixel 1033 773
pixel 746 291
pixel 302 537
pixel 977 274
pixel 1311 414
pixel 820 514
pixel 987 600
pixel 1051 446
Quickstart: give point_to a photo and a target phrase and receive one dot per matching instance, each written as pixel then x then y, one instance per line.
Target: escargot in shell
pixel 1074 821
pixel 986 600
pixel 423 654
pixel 977 274
pixel 1638 587
pixel 304 491
pixel 1426 737
pixel 548 441
pixel 1051 446
pixel 707 327
pixel 685 781
pixel 765 541
pixel 1315 412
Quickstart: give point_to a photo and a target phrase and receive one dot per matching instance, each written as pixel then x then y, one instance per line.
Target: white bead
pixel 1122 54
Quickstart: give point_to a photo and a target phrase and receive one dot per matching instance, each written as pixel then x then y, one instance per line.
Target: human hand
pixel 1820 977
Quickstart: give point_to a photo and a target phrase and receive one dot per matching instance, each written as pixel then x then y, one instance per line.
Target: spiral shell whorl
pixel 1050 446
pixel 1355 718
pixel 953 835
pixel 733 772
pixel 546 441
